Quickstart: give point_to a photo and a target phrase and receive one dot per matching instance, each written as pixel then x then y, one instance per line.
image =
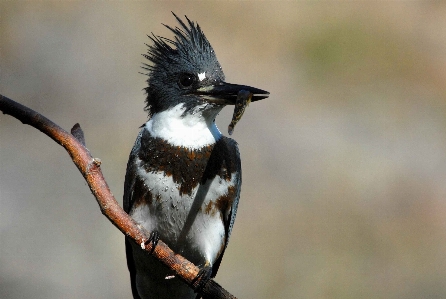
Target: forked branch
pixel 90 169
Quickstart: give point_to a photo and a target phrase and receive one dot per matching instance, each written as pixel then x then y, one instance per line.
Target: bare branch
pixel 90 169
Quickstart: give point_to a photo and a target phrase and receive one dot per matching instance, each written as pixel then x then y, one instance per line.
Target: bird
pixel 183 175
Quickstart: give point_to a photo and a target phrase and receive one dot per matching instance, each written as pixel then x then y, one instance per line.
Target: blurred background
pixel 344 166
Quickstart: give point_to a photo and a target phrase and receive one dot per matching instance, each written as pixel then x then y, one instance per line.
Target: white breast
pixel 193 130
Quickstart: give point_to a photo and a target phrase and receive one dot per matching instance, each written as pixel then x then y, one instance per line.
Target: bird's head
pixel 185 70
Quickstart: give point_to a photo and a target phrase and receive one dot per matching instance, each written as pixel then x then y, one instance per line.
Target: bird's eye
pixel 186 80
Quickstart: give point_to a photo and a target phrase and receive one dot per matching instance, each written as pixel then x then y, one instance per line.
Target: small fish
pixel 243 100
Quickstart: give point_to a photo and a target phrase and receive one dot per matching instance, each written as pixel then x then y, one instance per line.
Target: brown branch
pixel 90 169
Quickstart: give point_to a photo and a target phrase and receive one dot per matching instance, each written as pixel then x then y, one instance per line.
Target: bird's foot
pixel 203 276
pixel 154 238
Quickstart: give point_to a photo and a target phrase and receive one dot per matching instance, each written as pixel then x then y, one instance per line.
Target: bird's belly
pixel 191 224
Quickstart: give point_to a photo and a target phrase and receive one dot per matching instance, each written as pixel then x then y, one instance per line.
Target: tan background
pixel 344 165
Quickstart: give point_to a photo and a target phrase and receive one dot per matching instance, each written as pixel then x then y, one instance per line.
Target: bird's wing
pixel 127 204
pixel 229 218
pixel 129 182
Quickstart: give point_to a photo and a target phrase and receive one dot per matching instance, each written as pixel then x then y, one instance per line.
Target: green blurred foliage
pixel 344 165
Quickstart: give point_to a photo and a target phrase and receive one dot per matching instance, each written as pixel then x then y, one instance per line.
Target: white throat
pixel 192 130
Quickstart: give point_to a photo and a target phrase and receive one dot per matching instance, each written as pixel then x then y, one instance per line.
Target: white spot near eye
pixel 202 76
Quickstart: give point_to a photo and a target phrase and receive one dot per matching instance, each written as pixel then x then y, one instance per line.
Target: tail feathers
pixel 132 269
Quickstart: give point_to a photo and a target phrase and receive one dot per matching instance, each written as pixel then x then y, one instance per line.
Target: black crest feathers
pixel 189 51
pixel 189 41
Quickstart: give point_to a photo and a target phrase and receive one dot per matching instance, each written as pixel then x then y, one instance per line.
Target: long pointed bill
pixel 226 93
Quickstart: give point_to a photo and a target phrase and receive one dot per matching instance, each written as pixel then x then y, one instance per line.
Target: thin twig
pixel 91 171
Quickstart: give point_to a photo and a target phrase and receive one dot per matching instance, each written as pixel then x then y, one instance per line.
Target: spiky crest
pixel 188 50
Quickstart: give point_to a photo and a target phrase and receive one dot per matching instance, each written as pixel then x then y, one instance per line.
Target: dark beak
pixel 226 93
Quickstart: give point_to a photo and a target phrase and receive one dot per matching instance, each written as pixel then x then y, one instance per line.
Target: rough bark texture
pixel 91 171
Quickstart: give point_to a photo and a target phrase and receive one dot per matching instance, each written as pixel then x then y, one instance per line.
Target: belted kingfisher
pixel 183 176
